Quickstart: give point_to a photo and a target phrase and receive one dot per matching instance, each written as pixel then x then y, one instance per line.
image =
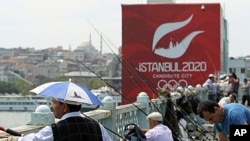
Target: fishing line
pixel 130 73
pixel 105 127
pixel 194 123
pixel 98 76
pixel 111 86
pixel 162 102
pixel 171 112
pixel 136 69
pixel 115 89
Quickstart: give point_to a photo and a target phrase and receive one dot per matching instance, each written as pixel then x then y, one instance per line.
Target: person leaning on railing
pixel 223 117
pixel 72 126
pixel 211 87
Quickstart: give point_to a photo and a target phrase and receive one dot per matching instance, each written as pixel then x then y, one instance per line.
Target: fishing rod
pixel 132 69
pixel 170 109
pixel 118 58
pixel 161 100
pixel 194 123
pixel 98 76
pixel 112 86
pixel 105 127
pixel 190 100
pixel 129 64
pixel 125 60
pixel 10 131
pixel 170 124
pixel 18 76
pixel 176 135
pixel 126 69
pixel 210 59
pixel 201 129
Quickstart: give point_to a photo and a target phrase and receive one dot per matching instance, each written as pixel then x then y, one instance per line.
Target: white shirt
pixel 159 133
pixel 46 134
pixel 211 86
pixel 223 101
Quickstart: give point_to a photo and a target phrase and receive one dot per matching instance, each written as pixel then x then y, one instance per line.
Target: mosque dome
pixel 84 44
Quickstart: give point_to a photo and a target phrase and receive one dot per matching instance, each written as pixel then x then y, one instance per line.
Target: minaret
pixel 90 39
pixel 101 44
pixel 69 47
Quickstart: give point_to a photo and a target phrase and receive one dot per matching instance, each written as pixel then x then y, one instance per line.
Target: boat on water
pixel 102 93
pixel 13 102
pixel 16 102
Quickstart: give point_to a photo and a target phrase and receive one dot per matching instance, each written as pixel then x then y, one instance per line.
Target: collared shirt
pixel 246 88
pixel 211 86
pixel 159 133
pixel 46 134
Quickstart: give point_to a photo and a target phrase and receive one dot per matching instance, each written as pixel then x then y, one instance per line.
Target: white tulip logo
pixel 173 50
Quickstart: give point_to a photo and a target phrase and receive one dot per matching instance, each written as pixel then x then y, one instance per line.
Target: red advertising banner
pixel 167 45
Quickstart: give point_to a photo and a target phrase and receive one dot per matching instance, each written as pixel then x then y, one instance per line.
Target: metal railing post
pixel 143 98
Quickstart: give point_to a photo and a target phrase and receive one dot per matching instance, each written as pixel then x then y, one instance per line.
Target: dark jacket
pixel 77 129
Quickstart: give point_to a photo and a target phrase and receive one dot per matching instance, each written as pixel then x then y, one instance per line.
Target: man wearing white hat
pixel 211 87
pixel 157 131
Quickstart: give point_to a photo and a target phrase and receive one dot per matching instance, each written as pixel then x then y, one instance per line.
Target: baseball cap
pixel 211 75
pixel 156 116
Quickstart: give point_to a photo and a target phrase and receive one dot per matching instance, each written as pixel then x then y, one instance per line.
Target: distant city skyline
pixel 44 24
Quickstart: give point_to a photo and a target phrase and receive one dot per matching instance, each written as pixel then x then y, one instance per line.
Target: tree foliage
pixel 95 83
pixel 22 87
pixel 6 87
pixel 61 78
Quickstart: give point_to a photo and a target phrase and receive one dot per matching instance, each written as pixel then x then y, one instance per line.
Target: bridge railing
pixel 113 117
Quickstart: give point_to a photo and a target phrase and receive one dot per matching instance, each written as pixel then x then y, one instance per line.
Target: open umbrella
pixel 67 92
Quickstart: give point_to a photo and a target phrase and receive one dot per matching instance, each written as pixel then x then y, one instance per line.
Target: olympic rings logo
pixel 172 84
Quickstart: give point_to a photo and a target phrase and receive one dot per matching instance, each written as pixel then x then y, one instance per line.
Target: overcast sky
pixel 50 23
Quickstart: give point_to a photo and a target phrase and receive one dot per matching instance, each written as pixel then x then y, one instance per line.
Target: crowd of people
pixel 227 85
pixel 226 110
pixel 222 108
pixel 222 111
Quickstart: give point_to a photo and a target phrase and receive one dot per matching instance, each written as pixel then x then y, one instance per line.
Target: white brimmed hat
pixel 68 102
pixel 156 116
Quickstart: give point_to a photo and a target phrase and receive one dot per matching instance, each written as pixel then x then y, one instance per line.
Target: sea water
pixel 14 119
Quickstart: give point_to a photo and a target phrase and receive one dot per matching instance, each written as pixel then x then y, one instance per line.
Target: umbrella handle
pixel 10 131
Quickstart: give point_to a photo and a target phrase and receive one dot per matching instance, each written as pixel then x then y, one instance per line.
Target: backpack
pixel 134 134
